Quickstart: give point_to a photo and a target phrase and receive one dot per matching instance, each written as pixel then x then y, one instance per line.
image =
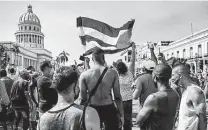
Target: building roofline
pixel 190 36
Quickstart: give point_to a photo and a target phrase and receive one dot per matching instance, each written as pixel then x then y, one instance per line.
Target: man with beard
pixel 192 112
pixel 66 115
pixel 102 100
pixel 159 109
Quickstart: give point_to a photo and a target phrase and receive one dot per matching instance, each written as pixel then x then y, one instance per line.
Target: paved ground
pixel 135 111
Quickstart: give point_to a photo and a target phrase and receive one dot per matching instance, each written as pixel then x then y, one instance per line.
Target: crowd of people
pixel 82 97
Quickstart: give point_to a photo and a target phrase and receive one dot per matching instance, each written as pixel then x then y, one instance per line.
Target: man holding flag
pixel 100 38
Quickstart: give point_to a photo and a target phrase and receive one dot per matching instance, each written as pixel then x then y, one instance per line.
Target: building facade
pixel 194 48
pixel 30 40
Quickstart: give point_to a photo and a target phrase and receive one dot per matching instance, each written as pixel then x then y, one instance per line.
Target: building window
pixel 191 52
pixel 34 28
pixel 38 29
pixel 184 53
pixel 207 48
pixel 30 39
pixel 21 28
pixel 177 54
pixel 29 27
pixel 199 50
pixel 25 27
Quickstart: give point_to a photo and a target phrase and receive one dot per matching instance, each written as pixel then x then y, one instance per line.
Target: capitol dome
pixel 29 30
pixel 29 17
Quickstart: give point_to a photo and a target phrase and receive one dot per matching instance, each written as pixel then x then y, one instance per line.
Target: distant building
pixel 30 40
pixel 194 48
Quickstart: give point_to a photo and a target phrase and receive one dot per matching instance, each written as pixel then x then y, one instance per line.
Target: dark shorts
pixel 108 116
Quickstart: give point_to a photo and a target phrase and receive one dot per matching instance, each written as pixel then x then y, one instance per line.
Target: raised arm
pixel 92 120
pixel 150 105
pixel 132 62
pixel 83 89
pixel 153 57
pixel 199 104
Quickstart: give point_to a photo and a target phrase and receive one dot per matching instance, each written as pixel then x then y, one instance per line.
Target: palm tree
pixel 16 50
pixel 57 61
pixel 63 57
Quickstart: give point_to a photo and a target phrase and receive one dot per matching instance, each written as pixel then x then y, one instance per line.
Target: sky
pixel 154 21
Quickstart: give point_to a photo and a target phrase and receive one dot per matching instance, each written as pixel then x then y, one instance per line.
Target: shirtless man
pixel 192 112
pixel 102 100
pixel 158 112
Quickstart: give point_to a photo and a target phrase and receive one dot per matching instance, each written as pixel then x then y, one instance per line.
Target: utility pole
pixel 191 30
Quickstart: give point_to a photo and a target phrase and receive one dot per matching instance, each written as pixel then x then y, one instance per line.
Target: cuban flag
pixel 95 33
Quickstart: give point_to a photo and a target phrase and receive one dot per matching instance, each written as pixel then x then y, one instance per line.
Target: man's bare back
pixel 103 96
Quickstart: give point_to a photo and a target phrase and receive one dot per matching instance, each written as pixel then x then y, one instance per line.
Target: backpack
pixel 18 91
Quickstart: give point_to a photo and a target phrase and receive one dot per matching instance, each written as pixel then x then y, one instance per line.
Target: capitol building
pixel 30 40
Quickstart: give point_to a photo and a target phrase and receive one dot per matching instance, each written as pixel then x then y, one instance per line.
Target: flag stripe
pixel 106 51
pixel 98 35
pixel 88 38
pixel 93 35
pixel 103 27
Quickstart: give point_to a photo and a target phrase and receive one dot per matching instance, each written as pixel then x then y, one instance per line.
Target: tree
pixel 16 50
pixel 3 56
pixel 63 57
pixel 57 61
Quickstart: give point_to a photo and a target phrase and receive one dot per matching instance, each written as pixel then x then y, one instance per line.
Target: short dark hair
pixel 12 70
pixel 163 72
pixel 45 64
pixel 30 68
pixel 121 68
pixel 98 55
pixel 64 77
pixel 3 73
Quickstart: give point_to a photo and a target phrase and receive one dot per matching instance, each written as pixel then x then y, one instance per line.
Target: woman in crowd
pixel 126 78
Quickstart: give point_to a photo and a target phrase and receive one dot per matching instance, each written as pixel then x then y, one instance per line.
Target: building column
pixel 27 38
pixel 40 40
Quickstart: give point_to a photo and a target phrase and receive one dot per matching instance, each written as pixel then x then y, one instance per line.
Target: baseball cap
pixel 149 65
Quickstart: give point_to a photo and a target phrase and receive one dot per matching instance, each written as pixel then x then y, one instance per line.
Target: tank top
pixel 64 119
pixel 187 116
pixel 163 118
